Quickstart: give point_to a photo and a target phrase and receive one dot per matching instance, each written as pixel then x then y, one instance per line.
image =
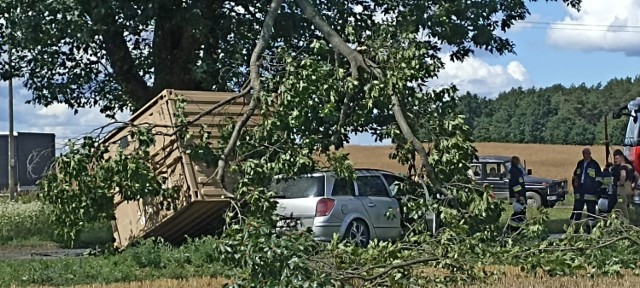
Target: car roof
pixel 364 171
pixel 493 158
pixel 359 172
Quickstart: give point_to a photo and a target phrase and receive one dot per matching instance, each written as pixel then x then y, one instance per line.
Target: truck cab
pixel 494 171
pixel 631 143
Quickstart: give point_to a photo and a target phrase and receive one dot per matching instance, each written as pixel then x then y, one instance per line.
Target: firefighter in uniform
pixel 517 195
pixel 623 177
pixel 586 187
pixel 607 196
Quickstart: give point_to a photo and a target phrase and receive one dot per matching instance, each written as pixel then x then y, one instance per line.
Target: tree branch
pixel 389 268
pixel 408 134
pixel 120 58
pixel 176 44
pixel 575 248
pixel 254 76
pixel 355 59
pixel 358 61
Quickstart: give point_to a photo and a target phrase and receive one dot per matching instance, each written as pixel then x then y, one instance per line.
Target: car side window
pixel 343 187
pixel 493 170
pixel 505 171
pixel 371 186
pixel 393 182
pixel 476 169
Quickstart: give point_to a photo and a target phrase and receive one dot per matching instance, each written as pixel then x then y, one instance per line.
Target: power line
pixel 581 27
pixel 588 30
pixel 581 24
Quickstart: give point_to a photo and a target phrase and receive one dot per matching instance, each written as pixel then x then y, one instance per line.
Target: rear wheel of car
pixel 358 233
pixel 533 200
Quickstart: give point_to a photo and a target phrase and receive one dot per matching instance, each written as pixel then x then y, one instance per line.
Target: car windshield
pixel 300 187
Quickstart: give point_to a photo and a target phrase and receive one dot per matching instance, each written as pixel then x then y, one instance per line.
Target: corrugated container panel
pixel 202 200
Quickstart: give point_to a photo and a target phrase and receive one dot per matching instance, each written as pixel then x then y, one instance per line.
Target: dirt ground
pixel 42 251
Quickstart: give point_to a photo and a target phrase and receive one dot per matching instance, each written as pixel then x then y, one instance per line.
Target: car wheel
pixel 534 200
pixel 358 233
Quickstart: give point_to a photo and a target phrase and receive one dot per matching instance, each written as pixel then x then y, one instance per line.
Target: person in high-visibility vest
pixel 623 177
pixel 586 186
pixel 517 194
pixel 608 195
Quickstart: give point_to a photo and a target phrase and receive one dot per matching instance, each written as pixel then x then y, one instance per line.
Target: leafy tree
pixel 474 108
pixel 553 115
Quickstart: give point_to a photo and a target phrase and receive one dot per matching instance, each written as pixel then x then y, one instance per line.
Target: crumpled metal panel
pixel 202 199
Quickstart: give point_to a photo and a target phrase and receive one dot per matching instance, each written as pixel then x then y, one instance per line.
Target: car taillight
pixel 324 206
pixel 635 157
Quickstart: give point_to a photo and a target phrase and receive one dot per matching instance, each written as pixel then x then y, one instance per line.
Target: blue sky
pixel 577 49
pixel 548 64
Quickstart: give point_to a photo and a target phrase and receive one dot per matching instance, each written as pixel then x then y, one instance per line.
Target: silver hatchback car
pixel 357 211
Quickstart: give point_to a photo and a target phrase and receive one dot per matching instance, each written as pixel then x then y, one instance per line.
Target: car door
pixel 495 178
pixel 376 198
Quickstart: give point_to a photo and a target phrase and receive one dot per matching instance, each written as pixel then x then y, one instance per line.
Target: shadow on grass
pixel 556 226
pixel 92 236
pixel 25 224
pixel 98 234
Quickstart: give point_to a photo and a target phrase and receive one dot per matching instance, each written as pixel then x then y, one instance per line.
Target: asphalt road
pixel 40 253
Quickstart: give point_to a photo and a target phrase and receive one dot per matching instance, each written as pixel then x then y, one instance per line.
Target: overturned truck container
pixel 202 200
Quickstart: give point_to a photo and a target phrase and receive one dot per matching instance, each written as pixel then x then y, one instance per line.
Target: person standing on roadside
pixel 586 187
pixel 517 194
pixel 608 195
pixel 623 177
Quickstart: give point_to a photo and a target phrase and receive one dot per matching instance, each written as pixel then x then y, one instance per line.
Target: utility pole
pixel 12 171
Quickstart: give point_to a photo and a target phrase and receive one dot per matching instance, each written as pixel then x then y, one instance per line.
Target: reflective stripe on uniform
pixel 516 223
pixel 607 180
pixel 590 197
pixel 516 189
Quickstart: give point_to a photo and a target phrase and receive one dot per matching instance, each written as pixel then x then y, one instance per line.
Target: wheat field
pixel 552 161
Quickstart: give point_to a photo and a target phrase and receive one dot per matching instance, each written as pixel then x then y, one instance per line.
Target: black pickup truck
pixel 494 171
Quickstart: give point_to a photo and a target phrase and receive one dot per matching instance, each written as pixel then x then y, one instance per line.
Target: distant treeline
pixel 554 115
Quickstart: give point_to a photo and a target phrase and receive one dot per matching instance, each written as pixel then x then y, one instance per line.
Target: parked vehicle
pixel 494 171
pixel 357 211
pixel 631 143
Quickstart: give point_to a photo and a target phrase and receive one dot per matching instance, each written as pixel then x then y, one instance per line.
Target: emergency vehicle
pixel 631 142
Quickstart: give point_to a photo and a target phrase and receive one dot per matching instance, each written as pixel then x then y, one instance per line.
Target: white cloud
pixel 477 76
pixel 473 75
pixel 593 28
pixel 59 111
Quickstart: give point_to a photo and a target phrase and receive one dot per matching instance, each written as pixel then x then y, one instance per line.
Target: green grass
pixel 558 217
pixel 144 262
pixel 25 223
pixel 568 201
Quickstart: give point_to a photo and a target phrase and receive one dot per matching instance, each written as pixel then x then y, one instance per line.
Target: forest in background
pixel 557 114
